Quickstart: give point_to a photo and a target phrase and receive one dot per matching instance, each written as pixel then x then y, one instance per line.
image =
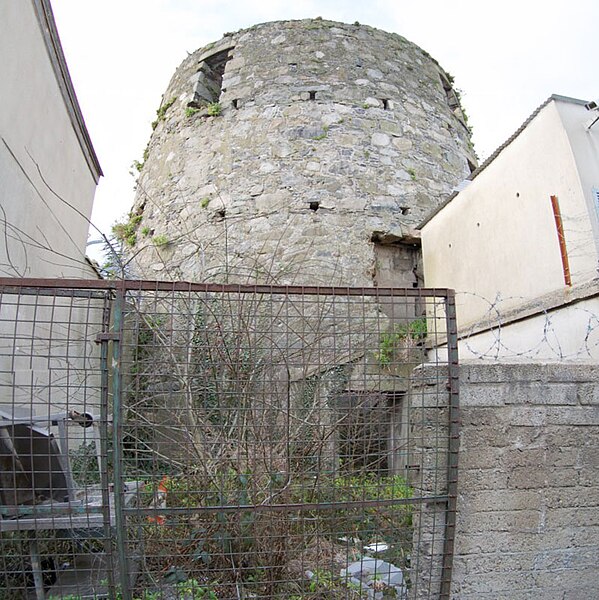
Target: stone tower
pixel 298 152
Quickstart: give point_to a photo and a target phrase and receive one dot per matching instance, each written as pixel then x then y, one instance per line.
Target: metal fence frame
pixel 109 337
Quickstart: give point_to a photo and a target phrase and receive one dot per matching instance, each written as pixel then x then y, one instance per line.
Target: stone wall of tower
pixel 327 139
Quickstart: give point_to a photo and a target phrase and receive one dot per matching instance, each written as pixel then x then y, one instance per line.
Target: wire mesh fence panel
pixel 277 448
pixel 55 521
pixel 226 442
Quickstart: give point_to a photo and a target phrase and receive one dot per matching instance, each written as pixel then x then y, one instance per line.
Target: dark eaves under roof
pixel 495 154
pixel 45 17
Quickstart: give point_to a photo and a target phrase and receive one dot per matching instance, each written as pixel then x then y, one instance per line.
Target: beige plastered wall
pixel 496 241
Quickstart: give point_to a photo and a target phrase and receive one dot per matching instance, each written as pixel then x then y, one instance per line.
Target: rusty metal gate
pixel 177 440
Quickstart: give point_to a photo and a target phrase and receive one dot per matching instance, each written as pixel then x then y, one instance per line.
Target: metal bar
pixel 183 286
pixel 292 507
pixel 103 443
pixel 559 225
pixel 36 567
pixel 63 458
pixel 454 447
pixel 53 291
pixel 117 436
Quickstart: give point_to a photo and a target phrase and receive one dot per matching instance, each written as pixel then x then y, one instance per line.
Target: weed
pixel 204 202
pixel 412 174
pixel 214 109
pixel 190 111
pixel 193 590
pixel 145 231
pixel 160 241
pixel 321 136
pixel 161 112
pixel 127 232
pixel 400 337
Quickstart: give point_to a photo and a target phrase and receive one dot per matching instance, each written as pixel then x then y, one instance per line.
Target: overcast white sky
pixel 507 57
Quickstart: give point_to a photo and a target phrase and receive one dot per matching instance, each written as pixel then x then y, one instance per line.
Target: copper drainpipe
pixel 562 239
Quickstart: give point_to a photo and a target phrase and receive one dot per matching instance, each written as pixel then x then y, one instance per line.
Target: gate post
pixel 117 449
pixel 102 438
pixel 454 445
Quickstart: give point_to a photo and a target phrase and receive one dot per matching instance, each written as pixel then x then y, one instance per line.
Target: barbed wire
pixel 516 327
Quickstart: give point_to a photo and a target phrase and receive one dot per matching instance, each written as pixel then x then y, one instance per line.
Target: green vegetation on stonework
pixel 190 111
pixel 392 340
pixel 161 112
pixel 160 240
pixel 214 109
pixel 321 136
pixel 126 232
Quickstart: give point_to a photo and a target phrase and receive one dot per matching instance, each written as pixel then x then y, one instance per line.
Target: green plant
pixel 204 202
pixel 214 109
pixel 412 174
pixel 191 110
pixel 400 337
pixel 147 595
pixel 322 135
pixel 191 589
pixel 145 231
pixel 126 232
pixel 161 112
pixel 160 240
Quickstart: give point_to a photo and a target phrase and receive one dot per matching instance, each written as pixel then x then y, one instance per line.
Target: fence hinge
pixel 107 337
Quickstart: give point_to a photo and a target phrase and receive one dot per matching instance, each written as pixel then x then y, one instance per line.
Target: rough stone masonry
pixel 298 152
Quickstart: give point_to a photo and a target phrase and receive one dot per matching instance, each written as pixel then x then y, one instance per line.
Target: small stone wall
pixel 528 501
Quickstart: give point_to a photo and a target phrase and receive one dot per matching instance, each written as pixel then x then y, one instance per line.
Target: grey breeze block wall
pixel 327 138
pixel 528 499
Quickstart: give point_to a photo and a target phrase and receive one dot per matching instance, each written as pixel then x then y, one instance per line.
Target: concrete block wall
pixel 528 500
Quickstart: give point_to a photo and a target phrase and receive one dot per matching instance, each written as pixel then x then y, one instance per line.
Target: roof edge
pixel 45 18
pixel 497 152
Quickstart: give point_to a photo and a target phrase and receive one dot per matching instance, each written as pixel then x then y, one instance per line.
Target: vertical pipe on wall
pixel 557 215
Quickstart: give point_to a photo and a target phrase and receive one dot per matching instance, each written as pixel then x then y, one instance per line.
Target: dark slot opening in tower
pixel 209 84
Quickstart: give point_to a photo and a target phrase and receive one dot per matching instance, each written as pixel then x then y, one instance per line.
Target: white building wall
pixel 570 333
pixel 498 239
pixel 584 141
pixel 48 174
pixel 41 157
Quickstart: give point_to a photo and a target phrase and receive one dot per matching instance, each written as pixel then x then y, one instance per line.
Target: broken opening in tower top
pixel 209 84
